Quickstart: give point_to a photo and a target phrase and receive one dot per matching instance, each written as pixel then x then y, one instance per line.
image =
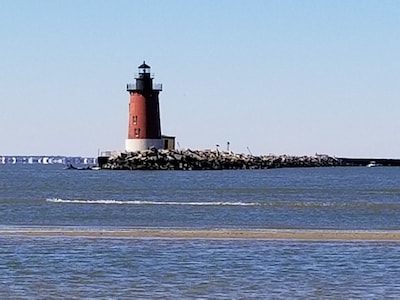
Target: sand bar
pixel 215 233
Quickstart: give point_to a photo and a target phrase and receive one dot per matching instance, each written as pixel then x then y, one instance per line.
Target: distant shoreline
pixel 215 233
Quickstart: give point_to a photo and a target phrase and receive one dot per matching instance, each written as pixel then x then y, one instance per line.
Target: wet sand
pixel 217 233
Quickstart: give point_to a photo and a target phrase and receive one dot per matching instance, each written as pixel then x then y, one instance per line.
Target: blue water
pixel 150 268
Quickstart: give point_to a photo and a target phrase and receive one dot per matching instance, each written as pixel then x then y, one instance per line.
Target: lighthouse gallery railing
pixel 133 87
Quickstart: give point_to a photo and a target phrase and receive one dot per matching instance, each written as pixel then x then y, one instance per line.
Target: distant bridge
pixel 35 159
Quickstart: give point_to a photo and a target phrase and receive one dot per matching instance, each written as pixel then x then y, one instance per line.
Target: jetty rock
pixel 187 159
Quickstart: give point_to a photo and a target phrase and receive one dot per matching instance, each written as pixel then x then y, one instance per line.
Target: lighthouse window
pixel 134 119
pixel 137 132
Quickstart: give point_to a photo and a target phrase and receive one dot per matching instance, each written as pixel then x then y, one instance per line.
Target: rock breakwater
pixel 187 159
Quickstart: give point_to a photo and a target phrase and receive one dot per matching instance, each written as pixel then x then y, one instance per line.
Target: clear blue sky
pixel 282 77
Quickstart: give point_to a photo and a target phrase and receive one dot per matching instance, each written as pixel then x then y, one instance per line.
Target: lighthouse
pixel 144 129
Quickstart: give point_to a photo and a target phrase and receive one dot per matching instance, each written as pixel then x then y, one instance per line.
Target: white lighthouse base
pixel 132 145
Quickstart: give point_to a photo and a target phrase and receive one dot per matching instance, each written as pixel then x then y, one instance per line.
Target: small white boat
pixel 373 164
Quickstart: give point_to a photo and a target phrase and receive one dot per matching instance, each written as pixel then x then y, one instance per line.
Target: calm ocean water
pixel 118 268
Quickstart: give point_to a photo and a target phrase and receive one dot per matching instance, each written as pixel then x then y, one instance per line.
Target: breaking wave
pixel 266 204
pixel 141 202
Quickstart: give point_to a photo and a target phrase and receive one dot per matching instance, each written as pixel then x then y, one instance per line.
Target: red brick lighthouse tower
pixel 144 129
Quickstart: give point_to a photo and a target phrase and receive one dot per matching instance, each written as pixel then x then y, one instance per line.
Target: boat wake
pixel 140 202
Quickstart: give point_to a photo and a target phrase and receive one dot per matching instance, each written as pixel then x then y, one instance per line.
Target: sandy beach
pixel 215 233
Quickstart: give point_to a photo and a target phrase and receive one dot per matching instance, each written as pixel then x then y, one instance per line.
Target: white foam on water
pixel 140 202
